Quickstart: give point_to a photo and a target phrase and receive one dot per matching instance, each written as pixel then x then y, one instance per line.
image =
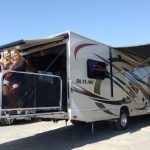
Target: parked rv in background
pixel 76 78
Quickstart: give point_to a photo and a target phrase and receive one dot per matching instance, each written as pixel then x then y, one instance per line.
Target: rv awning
pixel 24 45
pixel 139 54
pixel 142 51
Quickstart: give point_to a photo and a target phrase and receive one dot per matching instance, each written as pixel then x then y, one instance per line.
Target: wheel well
pixel 125 108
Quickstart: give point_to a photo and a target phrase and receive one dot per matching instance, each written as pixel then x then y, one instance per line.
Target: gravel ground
pixel 49 136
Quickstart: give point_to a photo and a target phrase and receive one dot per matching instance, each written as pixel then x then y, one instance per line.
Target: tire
pixel 7 121
pixel 111 124
pixel 123 122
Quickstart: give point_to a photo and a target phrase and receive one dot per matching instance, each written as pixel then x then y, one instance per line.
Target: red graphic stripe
pixel 81 46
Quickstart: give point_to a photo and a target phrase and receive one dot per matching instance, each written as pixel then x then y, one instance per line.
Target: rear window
pixel 96 69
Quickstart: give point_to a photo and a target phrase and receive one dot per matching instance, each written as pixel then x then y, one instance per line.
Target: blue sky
pixel 113 22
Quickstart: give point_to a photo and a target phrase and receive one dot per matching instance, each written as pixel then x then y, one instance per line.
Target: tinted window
pixel 96 69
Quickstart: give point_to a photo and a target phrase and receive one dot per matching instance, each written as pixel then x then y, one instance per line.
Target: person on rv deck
pixel 5 60
pixel 16 79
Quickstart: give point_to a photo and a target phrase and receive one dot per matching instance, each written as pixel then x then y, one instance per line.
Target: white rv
pixel 76 78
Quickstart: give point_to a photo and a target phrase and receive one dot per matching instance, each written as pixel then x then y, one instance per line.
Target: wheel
pixel 7 121
pixel 111 124
pixel 123 121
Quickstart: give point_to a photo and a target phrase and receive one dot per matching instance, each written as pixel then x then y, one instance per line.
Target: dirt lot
pixel 50 136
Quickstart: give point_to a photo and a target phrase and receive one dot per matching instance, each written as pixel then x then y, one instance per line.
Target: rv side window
pixel 96 69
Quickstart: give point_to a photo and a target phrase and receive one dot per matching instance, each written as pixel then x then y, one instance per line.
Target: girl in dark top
pixel 16 79
pixel 19 64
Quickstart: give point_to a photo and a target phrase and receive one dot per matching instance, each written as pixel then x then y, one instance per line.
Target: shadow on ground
pixel 67 138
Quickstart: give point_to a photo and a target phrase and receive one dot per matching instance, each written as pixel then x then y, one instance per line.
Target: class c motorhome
pixel 76 78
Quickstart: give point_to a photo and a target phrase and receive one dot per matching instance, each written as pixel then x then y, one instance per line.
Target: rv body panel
pixel 86 107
